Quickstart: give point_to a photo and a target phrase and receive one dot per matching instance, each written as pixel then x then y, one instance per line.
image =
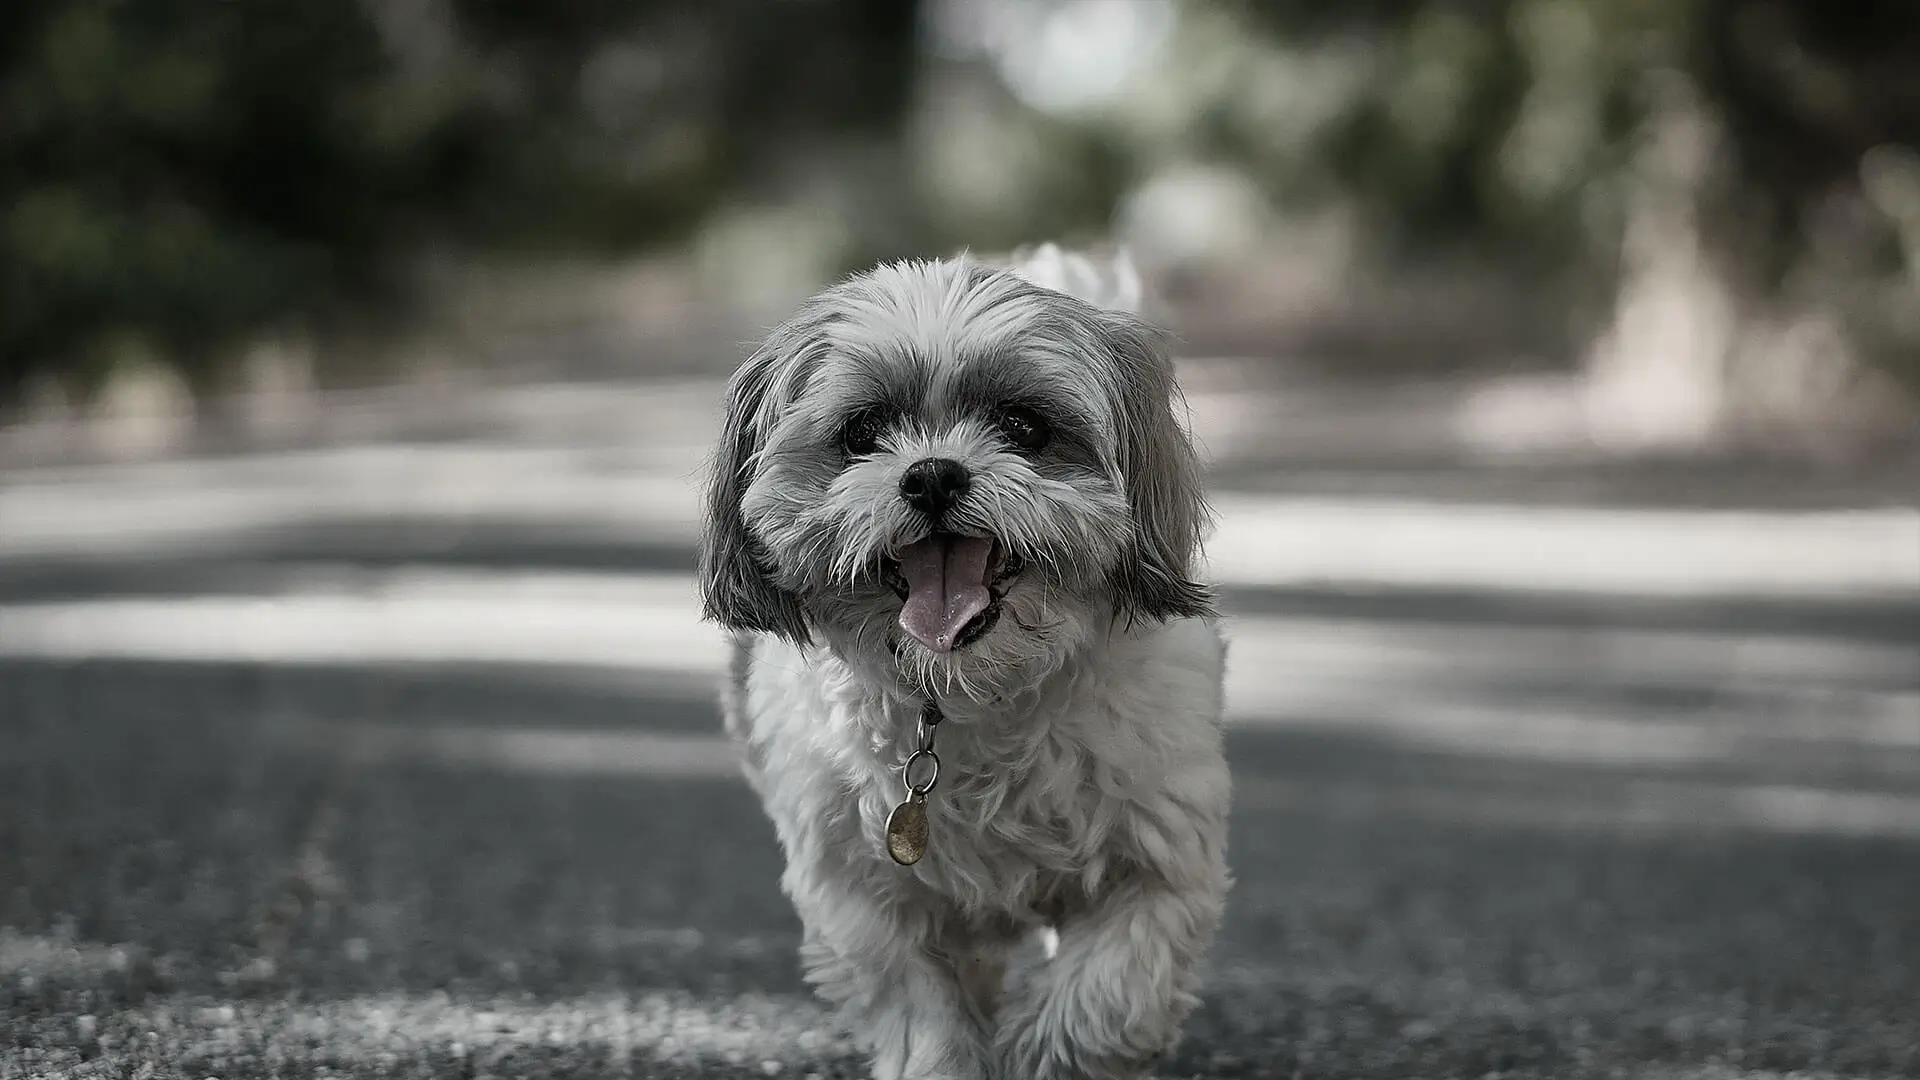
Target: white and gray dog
pixel 951 498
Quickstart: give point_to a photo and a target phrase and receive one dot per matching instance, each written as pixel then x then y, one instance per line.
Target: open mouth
pixel 951 588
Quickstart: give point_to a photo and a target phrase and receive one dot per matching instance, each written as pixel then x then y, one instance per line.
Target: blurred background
pixel 1557 363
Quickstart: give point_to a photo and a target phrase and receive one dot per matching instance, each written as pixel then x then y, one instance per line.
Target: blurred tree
pixel 1819 197
pixel 1779 138
pixel 179 175
pixel 1805 91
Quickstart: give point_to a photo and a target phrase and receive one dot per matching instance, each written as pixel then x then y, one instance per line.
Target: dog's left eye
pixel 1025 429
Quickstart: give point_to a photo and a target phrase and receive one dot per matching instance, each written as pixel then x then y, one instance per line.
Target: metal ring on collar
pixel 933 777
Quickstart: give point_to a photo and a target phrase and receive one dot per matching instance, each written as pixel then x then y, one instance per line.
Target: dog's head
pixel 947 466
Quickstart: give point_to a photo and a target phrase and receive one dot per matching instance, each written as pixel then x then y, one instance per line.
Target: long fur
pixel 1084 789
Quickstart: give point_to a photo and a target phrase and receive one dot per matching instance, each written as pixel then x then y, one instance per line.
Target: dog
pixel 953 522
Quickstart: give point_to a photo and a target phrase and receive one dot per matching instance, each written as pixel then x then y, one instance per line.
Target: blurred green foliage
pixel 1510 118
pixel 1516 129
pixel 176 175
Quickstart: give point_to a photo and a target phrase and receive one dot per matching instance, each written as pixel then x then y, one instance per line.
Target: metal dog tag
pixel 907 830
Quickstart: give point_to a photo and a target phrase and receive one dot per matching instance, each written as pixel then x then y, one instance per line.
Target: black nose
pixel 933 485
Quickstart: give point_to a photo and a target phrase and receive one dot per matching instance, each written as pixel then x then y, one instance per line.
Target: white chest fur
pixel 1113 763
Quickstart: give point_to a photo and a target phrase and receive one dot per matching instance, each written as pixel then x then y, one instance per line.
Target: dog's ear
pixel 1163 479
pixel 736 589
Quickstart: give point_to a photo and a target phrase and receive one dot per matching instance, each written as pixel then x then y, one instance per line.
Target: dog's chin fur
pixel 1037 633
pixel 1083 787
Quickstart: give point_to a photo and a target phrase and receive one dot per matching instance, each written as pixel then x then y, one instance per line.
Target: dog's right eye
pixel 861 435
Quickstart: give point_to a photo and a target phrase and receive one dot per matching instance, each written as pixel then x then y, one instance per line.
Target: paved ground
pixel 398 759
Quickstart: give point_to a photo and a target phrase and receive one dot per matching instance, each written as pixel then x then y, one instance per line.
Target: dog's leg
pixel 892 978
pixel 1113 997
pixel 982 972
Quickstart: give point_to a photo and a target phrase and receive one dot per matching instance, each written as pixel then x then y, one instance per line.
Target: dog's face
pixel 943 466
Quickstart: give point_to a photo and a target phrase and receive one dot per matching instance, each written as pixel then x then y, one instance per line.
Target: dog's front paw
pixel 1110 1004
pixel 904 1008
pixel 1041 1047
pixel 932 1056
pixel 1082 1021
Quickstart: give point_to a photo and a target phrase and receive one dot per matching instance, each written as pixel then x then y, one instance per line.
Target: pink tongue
pixel 946 587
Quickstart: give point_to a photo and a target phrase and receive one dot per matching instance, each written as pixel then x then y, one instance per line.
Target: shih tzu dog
pixel 954 499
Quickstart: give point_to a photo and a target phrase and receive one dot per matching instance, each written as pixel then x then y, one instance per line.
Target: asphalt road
pixel 1571 836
